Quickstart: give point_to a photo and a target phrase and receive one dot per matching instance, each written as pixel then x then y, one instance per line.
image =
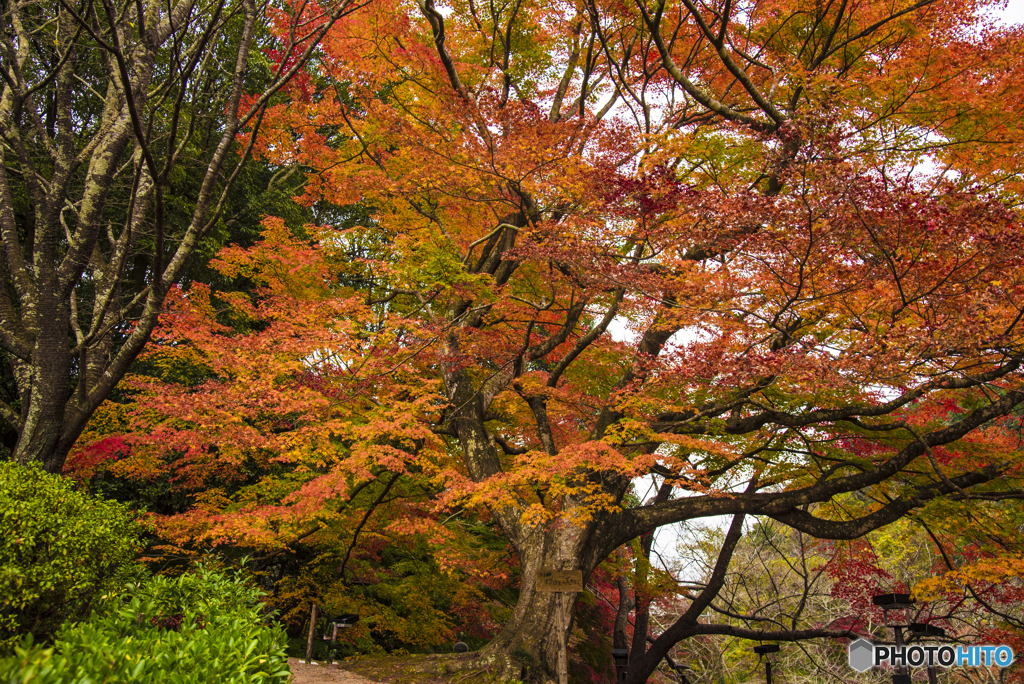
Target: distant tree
pixel 118 154
pixel 961 562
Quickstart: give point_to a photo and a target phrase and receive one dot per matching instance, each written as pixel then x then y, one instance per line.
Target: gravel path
pixel 317 674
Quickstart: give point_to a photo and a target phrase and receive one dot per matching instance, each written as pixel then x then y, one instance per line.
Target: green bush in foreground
pixel 199 628
pixel 60 549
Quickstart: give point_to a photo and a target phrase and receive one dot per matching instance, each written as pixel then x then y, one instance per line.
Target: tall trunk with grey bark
pixel 43 389
pixel 99 108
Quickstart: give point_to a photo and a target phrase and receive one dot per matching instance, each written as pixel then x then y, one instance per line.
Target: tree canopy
pixel 769 253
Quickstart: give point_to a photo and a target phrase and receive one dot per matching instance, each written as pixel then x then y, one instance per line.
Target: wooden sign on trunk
pixel 560 580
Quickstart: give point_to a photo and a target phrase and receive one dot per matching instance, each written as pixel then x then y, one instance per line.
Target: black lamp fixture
pixel 621 658
pixel 923 630
pixel 341 622
pixel 889 602
pixel 331 630
pixel 763 650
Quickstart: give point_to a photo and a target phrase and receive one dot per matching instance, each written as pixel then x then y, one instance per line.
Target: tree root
pixel 480 668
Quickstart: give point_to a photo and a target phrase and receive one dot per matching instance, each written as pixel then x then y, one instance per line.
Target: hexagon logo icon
pixel 862 655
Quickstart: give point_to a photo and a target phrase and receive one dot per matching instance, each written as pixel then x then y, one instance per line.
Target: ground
pixel 413 669
pixel 317 674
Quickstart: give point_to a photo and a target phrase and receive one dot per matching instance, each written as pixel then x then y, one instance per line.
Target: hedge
pixel 198 628
pixel 60 550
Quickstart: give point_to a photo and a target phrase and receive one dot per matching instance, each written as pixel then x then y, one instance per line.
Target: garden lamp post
pixel 762 651
pixel 621 658
pixel 343 621
pixel 901 602
pixel 921 630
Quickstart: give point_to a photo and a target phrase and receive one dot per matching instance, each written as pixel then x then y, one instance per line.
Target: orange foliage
pixel 800 216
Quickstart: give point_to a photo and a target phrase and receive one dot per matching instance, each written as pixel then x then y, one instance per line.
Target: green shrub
pixel 60 549
pixel 199 628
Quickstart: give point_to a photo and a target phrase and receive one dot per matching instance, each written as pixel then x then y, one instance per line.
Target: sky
pixel 1014 12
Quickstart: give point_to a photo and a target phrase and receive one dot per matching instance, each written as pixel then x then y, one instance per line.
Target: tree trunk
pixel 43 386
pixel 67 125
pixel 642 599
pixel 531 638
pixel 533 635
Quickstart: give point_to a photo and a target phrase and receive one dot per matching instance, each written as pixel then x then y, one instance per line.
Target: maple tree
pixel 244 420
pixel 800 218
pixel 118 154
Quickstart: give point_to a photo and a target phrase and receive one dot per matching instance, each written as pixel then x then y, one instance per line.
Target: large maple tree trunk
pixel 533 635
pixel 531 638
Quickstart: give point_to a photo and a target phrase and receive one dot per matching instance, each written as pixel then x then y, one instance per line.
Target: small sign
pixel 560 580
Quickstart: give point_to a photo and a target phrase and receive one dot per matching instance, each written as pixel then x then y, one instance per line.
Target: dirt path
pixel 318 674
pixel 379 669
